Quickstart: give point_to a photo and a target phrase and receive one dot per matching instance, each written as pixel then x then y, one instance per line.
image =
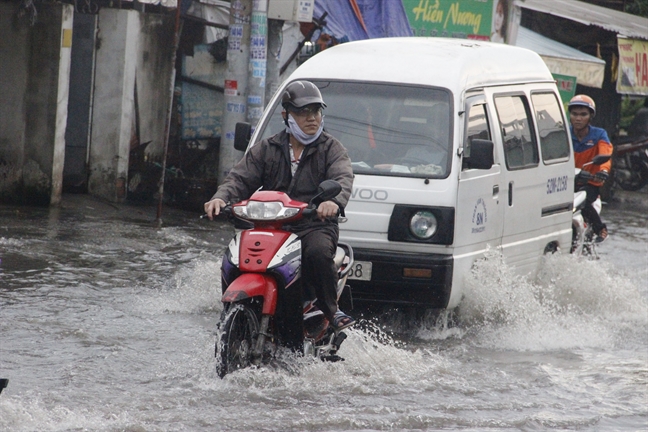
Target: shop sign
pixel 566 87
pixel 632 77
pixel 467 19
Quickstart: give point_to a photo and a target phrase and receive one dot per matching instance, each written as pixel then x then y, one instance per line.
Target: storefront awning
pixel 624 24
pixel 563 59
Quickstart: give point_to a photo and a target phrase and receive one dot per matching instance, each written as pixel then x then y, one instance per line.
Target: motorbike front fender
pixel 250 285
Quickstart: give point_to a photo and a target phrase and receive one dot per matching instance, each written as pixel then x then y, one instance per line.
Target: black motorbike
pixel 630 164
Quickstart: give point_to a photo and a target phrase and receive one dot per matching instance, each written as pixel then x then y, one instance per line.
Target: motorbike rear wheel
pixel 239 330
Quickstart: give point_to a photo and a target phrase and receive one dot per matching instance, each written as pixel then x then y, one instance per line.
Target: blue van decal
pixel 480 217
pixel 557 184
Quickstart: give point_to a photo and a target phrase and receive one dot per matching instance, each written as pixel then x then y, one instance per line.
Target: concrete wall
pixel 153 78
pixel 14 62
pixel 113 103
pixel 34 83
pixel 133 48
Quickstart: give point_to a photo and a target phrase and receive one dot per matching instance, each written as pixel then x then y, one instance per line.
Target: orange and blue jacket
pixel 595 142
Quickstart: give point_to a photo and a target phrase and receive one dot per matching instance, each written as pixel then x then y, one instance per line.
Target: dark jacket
pixel 267 165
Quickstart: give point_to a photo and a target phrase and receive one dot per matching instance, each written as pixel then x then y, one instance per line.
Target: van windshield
pixel 387 129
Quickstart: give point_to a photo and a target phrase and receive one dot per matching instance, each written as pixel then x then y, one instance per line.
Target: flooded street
pixel 107 323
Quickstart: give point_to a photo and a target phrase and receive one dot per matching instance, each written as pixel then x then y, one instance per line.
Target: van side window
pixel 520 147
pixel 554 143
pixel 477 124
pixel 477 127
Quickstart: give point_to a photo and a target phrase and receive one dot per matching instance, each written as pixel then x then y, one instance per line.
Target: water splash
pixel 194 288
pixel 572 303
pixel 372 359
pixel 11 242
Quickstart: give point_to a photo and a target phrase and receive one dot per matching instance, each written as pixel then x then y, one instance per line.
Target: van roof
pixel 442 62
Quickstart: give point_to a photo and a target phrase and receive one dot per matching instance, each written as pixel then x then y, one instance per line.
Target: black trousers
pixel 318 272
pixel 589 213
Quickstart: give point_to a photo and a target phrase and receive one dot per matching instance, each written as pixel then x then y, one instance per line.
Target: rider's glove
pixel 601 176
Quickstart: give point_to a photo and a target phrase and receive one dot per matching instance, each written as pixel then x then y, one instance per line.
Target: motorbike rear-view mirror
pixel 327 190
pixel 601 159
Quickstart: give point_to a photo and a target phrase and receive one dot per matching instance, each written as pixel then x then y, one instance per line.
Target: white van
pixel 457 146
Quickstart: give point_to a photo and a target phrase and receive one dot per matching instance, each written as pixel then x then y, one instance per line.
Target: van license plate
pixel 361 270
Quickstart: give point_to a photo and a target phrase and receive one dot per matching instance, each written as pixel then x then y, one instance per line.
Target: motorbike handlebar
pixel 228 213
pixel 309 212
pixel 312 213
pixel 224 212
pixel 584 176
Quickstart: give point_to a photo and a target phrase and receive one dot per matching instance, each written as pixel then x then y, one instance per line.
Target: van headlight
pixel 423 225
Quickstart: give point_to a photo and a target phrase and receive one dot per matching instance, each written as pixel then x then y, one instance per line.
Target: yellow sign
pixel 633 67
pixel 67 38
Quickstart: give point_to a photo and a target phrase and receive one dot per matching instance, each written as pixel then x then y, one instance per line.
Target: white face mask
pixel 294 129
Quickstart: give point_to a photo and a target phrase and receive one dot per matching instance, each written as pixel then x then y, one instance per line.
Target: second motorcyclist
pixel 296 161
pixel 589 141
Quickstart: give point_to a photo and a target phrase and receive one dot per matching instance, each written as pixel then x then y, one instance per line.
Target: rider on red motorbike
pixel 296 161
pixel 589 141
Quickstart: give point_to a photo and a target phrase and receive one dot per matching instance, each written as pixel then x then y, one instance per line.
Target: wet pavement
pixel 107 323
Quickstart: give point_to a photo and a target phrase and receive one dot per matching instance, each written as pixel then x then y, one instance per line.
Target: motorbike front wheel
pixel 238 332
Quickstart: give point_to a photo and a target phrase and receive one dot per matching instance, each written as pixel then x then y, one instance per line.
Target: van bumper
pixel 388 285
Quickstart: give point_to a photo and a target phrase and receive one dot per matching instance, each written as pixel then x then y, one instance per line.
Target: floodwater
pixel 107 323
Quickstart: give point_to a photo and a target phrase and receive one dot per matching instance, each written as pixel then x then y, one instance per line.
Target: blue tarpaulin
pixel 349 20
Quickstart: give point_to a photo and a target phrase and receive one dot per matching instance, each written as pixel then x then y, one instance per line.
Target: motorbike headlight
pixel 423 225
pixel 259 210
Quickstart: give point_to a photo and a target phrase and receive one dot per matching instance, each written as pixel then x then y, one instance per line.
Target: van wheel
pixel 551 248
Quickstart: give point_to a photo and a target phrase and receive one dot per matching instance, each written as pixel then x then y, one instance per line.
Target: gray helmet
pixel 298 94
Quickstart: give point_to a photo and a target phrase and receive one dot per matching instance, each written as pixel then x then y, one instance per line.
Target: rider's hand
pixel 213 207
pixel 601 176
pixel 327 209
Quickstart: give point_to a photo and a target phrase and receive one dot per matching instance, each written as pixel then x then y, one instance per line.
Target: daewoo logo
pixel 369 194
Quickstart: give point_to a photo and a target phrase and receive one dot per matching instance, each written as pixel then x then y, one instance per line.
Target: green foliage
pixel 637 7
pixel 629 108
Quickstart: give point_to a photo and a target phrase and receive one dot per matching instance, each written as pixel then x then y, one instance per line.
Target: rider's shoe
pixel 342 321
pixel 602 236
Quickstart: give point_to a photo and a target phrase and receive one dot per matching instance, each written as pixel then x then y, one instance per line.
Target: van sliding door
pixel 523 185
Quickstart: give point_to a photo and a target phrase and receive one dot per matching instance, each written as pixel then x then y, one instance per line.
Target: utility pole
pixel 258 61
pixel 167 126
pixel 236 82
pixel 274 49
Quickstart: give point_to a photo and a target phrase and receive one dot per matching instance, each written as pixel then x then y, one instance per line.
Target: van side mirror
pixel 242 134
pixel 481 155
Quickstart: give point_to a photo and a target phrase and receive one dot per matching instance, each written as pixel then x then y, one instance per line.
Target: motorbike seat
pixel 579 199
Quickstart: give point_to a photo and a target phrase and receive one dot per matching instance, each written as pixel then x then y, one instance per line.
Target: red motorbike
pixel 262 297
